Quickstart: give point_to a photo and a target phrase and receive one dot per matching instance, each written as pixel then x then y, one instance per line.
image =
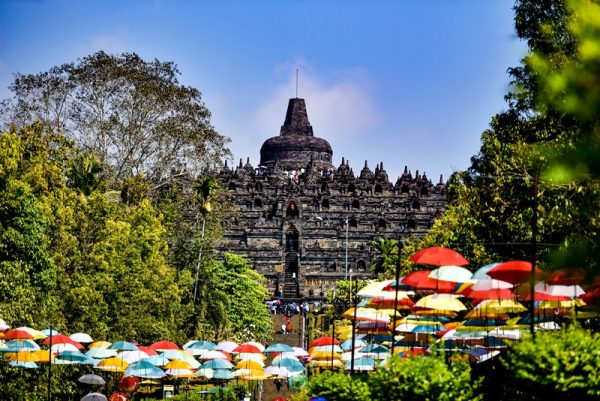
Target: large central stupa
pixel 296 145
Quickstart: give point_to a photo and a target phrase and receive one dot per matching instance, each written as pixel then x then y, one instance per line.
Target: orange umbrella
pixel 438 256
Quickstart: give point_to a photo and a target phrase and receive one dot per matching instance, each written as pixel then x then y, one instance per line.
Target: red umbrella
pixel 592 295
pixel 439 256
pixel 317 342
pixel 18 334
pixel 567 276
pixel 246 348
pixel 515 272
pixel 164 345
pixel 421 281
pixel 117 396
pixel 147 350
pixel 61 339
pixel 495 293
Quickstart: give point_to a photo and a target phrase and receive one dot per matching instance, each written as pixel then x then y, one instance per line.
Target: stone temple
pixel 305 224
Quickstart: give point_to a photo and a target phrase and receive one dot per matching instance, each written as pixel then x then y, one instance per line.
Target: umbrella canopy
pixel 366 315
pixel 94 397
pixel 247 348
pixel 180 372
pixel 326 348
pixel 347 345
pixel 145 370
pixel 164 345
pixel 3 325
pixel 82 338
pixel 99 344
pixel 17 345
pixel 158 360
pixel 452 273
pixel 22 364
pixel 123 346
pixel 420 280
pixel 568 276
pixel 362 363
pixel 559 290
pixel 101 353
pixel 374 288
pixel 217 364
pixel 132 356
pixel 481 273
pixel 200 344
pixel 515 272
pixel 227 346
pixel 279 347
pixel 92 379
pixel 441 302
pixel 494 306
pixel 321 355
pixel 56 339
pixel 323 341
pixel 252 365
pixel 113 364
pixel 22 356
pixel 438 256
pixel 73 357
pixel 18 334
pixel 257 345
pixel 211 354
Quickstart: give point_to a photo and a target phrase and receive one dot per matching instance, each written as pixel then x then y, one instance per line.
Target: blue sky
pixel 403 82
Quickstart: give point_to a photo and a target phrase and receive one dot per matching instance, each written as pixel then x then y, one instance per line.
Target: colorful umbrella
pixel 164 345
pixel 279 347
pixel 145 370
pixel 452 273
pixel 113 364
pixel 441 302
pixel 420 280
pixel 438 256
pixel 323 341
pixel 515 272
pixel 82 338
pixel 123 346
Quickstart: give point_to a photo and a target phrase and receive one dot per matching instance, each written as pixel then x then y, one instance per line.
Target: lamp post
pixel 346 259
pixel 397 283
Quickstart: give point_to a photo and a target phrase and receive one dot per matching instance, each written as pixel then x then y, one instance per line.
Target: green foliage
pixel 423 378
pixel 413 379
pixel 387 256
pixel 132 113
pixel 564 361
pixel 245 295
pixel 338 386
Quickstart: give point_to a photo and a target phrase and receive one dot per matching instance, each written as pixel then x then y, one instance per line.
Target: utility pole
pixel 534 225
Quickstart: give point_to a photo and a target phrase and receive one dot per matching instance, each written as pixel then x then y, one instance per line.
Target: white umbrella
pixel 58 348
pixel 227 346
pixel 3 325
pixel 257 345
pixel 83 338
pixel 132 356
pixel 210 354
pixel 455 274
pixel 572 291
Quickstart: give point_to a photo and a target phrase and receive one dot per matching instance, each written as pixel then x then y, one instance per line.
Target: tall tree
pixel 134 114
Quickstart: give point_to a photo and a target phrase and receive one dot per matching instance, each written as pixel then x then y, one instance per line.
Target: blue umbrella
pixel 158 360
pixel 374 349
pixel 21 364
pixel 217 364
pixel 123 346
pixel 19 345
pixel 48 332
pixel 73 357
pixel 145 370
pixel 279 347
pixel 481 273
pixel 101 353
pixel 201 344
pixel 223 374
pixel 362 363
pixel 347 345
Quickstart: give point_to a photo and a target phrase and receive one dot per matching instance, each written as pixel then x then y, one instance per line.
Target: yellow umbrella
pixel 22 356
pixel 565 304
pixel 252 365
pixel 178 364
pixel 113 364
pixel 441 302
pixel 326 364
pixel 44 355
pixel 435 312
pixel 374 288
pixel 101 344
pixel 324 355
pixel 495 306
pixel 366 315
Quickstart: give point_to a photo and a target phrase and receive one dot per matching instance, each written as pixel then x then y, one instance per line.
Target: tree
pixel 387 256
pixel 133 114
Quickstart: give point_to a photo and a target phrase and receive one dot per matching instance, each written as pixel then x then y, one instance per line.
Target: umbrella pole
pixel 400 245
pixel 50 366
pixel 353 330
pixel 332 342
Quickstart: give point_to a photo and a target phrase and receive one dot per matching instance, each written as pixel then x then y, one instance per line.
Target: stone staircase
pixel 290 286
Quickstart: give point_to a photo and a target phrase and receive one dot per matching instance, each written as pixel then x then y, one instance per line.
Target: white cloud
pixel 338 107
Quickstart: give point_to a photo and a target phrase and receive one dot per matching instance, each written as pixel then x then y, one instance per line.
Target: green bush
pixel 338 387
pixel 423 379
pixel 563 363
